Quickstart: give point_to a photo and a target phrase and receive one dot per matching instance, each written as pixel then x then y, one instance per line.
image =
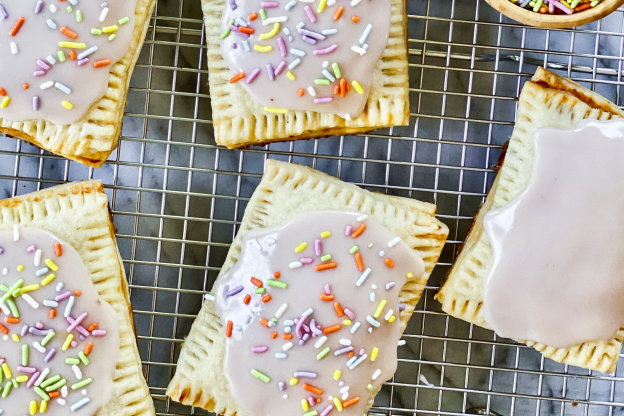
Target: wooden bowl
pixel 555 21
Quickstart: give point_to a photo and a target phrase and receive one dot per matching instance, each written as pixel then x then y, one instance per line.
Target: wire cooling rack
pixel 177 199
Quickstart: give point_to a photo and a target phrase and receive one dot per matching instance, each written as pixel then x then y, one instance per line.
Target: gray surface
pixel 177 198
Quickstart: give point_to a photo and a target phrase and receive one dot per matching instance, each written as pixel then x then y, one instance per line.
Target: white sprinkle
pixel 4 308
pixel 355 2
pixel 241 22
pixel 281 311
pixel 62 87
pixel 325 64
pixel 300 25
pixel 88 52
pixel 256 244
pixel 345 396
pixel 401 342
pixel 344 390
pixel 328 32
pixel 273 20
pixel 287 346
pixel 5 271
pixel 365 34
pixel 295 265
pixel 290 5
pixel 376 374
pixel 284 396
pixel 51 24
pixel 64 392
pixel 50 303
pixel 297 52
pixel 30 300
pixel 16 232
pixel 46 85
pixel 307 313
pixel 51 60
pixel 328 75
pixel 286 31
pixel 209 296
pixel 355 327
pixel 382 253
pixel 289 322
pixel 281 355
pixel 43 374
pixel 363 277
pixel 59 287
pixel 359 50
pixel 38 347
pixel 394 242
pixel 351 361
pixel 77 372
pixel 82 402
pixel 256 309
pixel 372 296
pixel 37 259
pixel 312 91
pixel 361 218
pixel 246 46
pixel 104 14
pixel 373 322
pixel 70 305
pixel 60 401
pixel 294 63
pixel 14 49
pixel 374 286
pixel 53 8
pixel 331 2
pixel 320 342
pixel 345 342
pixel 358 362
pixel 389 314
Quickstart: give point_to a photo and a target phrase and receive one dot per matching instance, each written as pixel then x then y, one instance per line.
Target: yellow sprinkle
pixel 275 110
pixel 72 45
pixel 294 381
pixel 301 247
pixel 67 104
pixel 392 318
pixel 272 33
pixel 374 354
pixel 325 234
pixel 337 374
pixel 5 102
pixel 291 76
pixel 48 279
pixel 33 408
pixel 305 405
pixel 338 404
pixel 266 48
pixel 321 6
pixel 347 322
pixel 21 379
pixel 357 87
pixel 43 407
pixel 68 342
pixel 6 370
pixel 20 268
pixel 410 275
pixel 30 288
pixel 110 29
pixel 16 338
pixel 380 308
pixel 51 265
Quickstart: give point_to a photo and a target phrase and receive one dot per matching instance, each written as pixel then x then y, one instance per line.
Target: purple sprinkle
pixel 309 40
pixel 43 65
pixel 318 248
pixel 306 260
pixel 349 313
pixel 82 61
pixel 270 71
pixel 82 337
pixel 32 380
pixel 305 374
pixel 234 45
pixel 98 332
pixel 1 250
pixel 342 383
pixel 389 285
pixel 104 5
pixel 3 13
pixel 39 7
pixel 39 73
pixel 36 103
pixel 282 47
pixel 29 370
pixel 50 355
pixel 235 291
pixel 31 249
pixel 306 336
pixel 401 307
pixel 311 34
pixel 310 14
pixel 259 349
pixel 24 330
pixel 323 100
pixel 281 386
pixel 315 329
pixel 348 230
pixel 254 74
pixel 328 409
pixel 233 5
pixel 326 50
pixel 280 68
pixel 236 29
pixel 343 350
pixel 39 332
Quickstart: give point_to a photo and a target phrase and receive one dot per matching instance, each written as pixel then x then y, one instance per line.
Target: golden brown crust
pixel 78 214
pixel 92 139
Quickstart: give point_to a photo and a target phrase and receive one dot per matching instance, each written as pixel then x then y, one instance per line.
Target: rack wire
pixel 177 198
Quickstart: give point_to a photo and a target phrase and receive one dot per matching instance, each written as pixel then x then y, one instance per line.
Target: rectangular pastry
pixel 66 333
pixel 287 192
pixel 66 91
pixel 315 70
pixel 548 100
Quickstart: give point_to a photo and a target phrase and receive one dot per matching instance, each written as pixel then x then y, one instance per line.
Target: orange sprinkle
pixel 253 16
pixel 343 87
pixel 72 55
pixel 336 89
pixel 326 266
pixel 287 336
pixel 17 26
pixel 277 275
pixel 331 329
pixel 338 309
pixel 4 329
pixel 318 400
pixel 58 249
pixel 582 6
pixel 355 19
pixel 256 282
pixel 11 320
pixel 543 9
pixel 101 63
pixel 52 313
pixel 54 394
pixel 274 334
pixel 264 322
pixel 266 298
pixel 300 92
pixel 351 401
pixel 92 327
pixel 248 30
pixel 312 389
pixel 389 263
pixel 338 13
pixel 68 32
pixel 247 299
pixel 237 77
pixel 3 92
pixel 358 261
pixel 25 85
pixel 88 348
pixel 327 298
pixel 348 87
pixel 358 232
pixel 351 354
pixel 77 293
pixel 228 330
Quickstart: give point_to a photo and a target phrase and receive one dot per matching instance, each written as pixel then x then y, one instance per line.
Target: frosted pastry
pixel 290 204
pixel 67 345
pixel 547 101
pixel 283 70
pixel 64 69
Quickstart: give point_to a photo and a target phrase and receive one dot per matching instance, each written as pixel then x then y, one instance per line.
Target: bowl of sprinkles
pixel 555 14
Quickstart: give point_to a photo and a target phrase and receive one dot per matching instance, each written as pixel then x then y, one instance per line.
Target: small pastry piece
pixel 65 70
pixel 67 339
pixel 288 193
pixel 285 70
pixel 546 101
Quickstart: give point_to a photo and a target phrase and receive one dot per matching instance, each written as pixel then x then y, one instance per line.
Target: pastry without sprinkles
pixel 310 312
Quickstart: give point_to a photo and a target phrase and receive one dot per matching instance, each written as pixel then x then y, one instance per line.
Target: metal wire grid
pixel 177 199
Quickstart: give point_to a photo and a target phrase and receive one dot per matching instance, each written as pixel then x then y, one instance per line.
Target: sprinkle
pixel 363 277
pixel 351 402
pixel 78 405
pixel 323 354
pixel 337 404
pixel 67 342
pixel 260 375
pixel 372 321
pixel 320 342
pixel 374 354
pixel 389 263
pixel 301 247
pixel 228 331
pixel 312 389
pixel 17 26
pixel 326 266
pixel 280 111
pixel 394 242
pixel 380 308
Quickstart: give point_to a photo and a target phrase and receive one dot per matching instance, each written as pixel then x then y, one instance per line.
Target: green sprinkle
pixel 112 37
pixel 274 320
pixel 575 3
pixel 69 9
pixel 25 354
pixel 17 285
pixel 277 283
pixel 320 81
pixel 78 16
pixel 370 387
pixel 82 384
pixel 7 389
pixel 15 385
pixel 260 290
pixel 56 386
pixel 262 14
pixel 47 339
pixel 326 257
pixel 311 413
pixel 354 249
pixel 13 308
pixel 226 32
pixel 50 381
pixel 61 56
pixel 258 374
pixel 42 394
pixel 72 361
pixel 96 31
pixel 337 69
pixel 83 358
pixel 126 19
pixel 323 353
pixel 4 288
pixel 537 6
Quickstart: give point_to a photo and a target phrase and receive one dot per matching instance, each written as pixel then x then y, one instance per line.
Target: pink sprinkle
pixel 82 61
pixel 254 74
pixel 29 370
pixel 236 29
pixel 39 73
pixel 327 410
pixel 1 361
pixel 63 296
pixel 77 322
pixel 349 313
pixel 31 249
pixel 74 344
pixel 98 332
pixel 32 380
pixel 325 51
pixel 318 247
pixel 310 14
pixel 259 349
pixel 280 68
pixel 282 47
pixel 561 7
pixel 83 331
pixel 269 4
pixel 43 65
pixel 323 100
pixel 348 230
pixel 327 289
pixel 311 401
pixel 306 260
